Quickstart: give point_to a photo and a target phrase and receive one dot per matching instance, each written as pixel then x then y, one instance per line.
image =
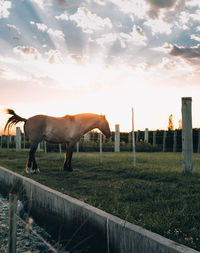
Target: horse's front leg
pixel 68 158
pixel 31 166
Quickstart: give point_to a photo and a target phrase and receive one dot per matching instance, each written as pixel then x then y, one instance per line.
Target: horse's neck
pixel 90 123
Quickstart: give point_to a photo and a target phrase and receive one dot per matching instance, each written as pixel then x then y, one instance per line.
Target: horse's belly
pixel 55 137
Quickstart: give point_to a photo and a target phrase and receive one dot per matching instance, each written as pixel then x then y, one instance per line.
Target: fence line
pixel 172 143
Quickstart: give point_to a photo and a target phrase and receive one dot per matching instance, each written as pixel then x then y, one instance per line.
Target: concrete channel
pixel 102 231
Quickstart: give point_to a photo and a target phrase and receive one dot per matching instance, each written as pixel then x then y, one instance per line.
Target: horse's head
pixel 104 127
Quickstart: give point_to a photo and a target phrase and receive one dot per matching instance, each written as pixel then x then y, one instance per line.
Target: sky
pixel 61 57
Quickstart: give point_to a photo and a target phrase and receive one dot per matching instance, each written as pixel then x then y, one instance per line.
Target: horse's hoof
pixel 28 170
pixel 36 171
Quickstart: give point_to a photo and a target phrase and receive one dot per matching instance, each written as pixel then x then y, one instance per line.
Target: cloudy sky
pixel 62 57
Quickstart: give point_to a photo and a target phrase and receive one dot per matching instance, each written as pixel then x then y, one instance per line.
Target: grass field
pixel 155 195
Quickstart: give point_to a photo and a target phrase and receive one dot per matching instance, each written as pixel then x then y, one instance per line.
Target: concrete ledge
pixel 114 234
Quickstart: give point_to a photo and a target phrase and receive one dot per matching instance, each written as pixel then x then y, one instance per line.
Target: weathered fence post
pixel 87 137
pixel 129 137
pixel 18 139
pixel 77 148
pixel 133 140
pixel 12 223
pixel 38 147
pixel 146 135
pixel 8 140
pixel 164 141
pixel 24 140
pixel 137 136
pixel 117 138
pixel 1 139
pixel 175 141
pixel 198 147
pixel 60 148
pixel 45 146
pixel 187 138
pixel 100 148
pixel 154 138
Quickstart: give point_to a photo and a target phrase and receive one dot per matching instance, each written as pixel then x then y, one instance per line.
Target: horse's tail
pixel 13 120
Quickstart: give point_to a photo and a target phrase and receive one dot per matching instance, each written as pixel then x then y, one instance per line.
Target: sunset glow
pixel 66 57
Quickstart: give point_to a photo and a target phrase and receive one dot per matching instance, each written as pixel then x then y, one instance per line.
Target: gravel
pixel 30 236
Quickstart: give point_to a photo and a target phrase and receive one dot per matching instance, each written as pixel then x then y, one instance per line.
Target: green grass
pixel 155 195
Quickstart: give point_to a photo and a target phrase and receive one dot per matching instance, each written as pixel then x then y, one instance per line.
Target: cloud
pixel 107 39
pixel 58 34
pixel 136 7
pixel 185 52
pixel 4 6
pixel 3 72
pixel 54 56
pixel 135 37
pixel 183 20
pixel 196 15
pixel 88 21
pixel 41 27
pixel 195 37
pixel 100 2
pixel 159 26
pixel 63 16
pixel 41 3
pixel 190 54
pixel 27 51
pixel 193 3
pixel 156 6
pixel 12 27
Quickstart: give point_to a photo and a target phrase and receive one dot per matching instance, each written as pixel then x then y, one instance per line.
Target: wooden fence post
pixel 146 135
pixel 24 140
pixel 129 137
pixel 87 136
pixel 38 147
pixel 154 138
pixel 187 138
pixel 117 138
pixel 8 140
pixel 77 149
pixel 18 139
pixel 45 146
pixel 60 148
pixel 133 140
pixel 175 141
pixel 164 141
pixel 137 136
pixel 12 223
pixel 1 139
pixel 100 148
pixel 198 147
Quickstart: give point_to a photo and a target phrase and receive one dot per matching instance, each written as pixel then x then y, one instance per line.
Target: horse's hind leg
pixel 31 164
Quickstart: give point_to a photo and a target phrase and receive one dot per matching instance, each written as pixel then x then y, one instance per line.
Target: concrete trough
pixel 106 233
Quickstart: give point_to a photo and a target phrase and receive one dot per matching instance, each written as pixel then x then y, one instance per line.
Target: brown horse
pixel 68 129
